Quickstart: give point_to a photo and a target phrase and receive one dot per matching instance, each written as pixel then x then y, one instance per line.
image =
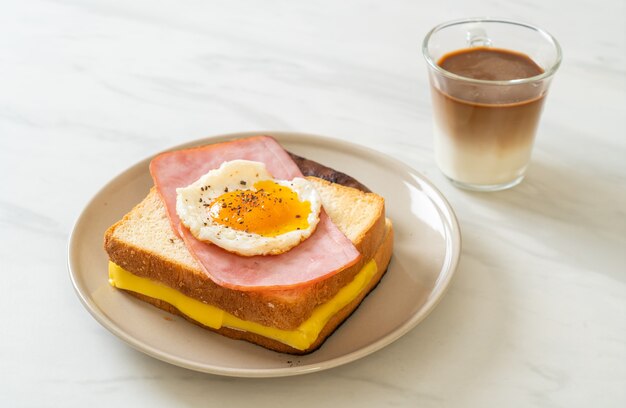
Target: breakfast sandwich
pixel 252 242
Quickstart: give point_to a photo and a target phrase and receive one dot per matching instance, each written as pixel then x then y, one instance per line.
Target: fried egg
pixel 241 208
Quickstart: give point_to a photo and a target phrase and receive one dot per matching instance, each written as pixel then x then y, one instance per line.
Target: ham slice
pixel 326 252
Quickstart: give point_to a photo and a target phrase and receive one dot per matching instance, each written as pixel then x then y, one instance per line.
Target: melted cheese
pixel 211 316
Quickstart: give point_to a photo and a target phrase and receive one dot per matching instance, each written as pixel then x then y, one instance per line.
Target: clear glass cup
pixel 484 129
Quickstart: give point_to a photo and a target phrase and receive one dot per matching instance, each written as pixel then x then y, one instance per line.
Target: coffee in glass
pixel 489 80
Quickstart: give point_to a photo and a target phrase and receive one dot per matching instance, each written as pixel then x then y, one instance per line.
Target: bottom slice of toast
pixel 381 257
pixel 143 247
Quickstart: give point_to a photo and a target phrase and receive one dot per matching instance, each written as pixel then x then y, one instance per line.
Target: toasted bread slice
pixel 381 256
pixel 144 244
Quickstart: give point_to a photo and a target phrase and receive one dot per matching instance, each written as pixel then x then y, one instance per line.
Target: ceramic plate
pixel 426 252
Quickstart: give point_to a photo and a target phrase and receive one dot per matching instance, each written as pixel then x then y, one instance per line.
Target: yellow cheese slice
pixel 211 316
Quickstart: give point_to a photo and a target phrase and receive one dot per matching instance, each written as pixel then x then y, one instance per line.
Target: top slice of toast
pixel 143 243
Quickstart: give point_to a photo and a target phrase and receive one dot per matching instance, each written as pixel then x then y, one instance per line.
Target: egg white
pixel 241 175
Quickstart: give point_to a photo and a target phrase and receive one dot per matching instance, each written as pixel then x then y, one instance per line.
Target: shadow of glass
pixel 578 218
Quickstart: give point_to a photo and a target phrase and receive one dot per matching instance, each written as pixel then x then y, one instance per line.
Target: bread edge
pixel 263 303
pixel 382 257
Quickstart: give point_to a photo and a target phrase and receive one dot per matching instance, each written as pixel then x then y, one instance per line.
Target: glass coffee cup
pixel 489 80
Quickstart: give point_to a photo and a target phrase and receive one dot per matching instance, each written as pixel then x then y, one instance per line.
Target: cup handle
pixel 477 37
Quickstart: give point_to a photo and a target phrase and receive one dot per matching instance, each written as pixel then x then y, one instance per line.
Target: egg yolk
pixel 269 210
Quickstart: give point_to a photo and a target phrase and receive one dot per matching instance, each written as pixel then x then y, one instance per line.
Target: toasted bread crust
pixel 312 168
pixel 143 243
pixel 284 309
pixel 382 256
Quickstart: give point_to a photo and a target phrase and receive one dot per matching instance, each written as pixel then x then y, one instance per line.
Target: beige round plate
pixel 426 252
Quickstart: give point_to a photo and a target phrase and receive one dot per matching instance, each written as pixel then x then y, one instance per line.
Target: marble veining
pixel 536 314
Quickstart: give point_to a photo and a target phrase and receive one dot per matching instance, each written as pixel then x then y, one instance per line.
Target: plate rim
pixel 453 243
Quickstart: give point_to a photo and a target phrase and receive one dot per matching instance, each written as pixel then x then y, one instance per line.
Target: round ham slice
pixel 326 252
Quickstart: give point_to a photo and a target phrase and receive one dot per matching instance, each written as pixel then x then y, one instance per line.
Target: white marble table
pixel 536 315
